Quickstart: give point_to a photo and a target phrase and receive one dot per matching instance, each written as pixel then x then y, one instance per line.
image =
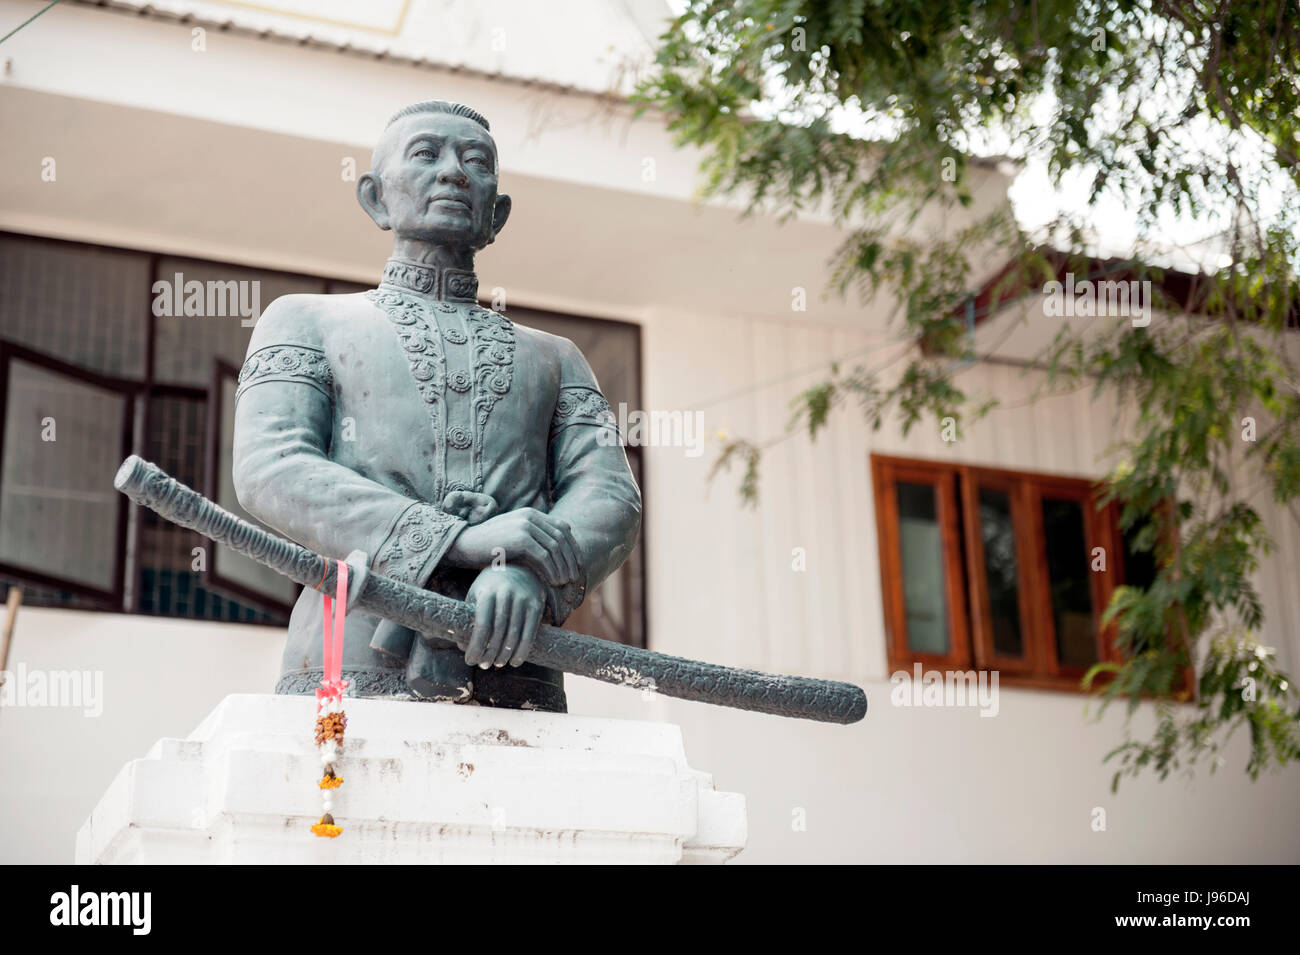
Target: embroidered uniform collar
pixel 440 282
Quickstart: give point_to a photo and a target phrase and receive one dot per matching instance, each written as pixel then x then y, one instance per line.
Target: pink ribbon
pixel 332 683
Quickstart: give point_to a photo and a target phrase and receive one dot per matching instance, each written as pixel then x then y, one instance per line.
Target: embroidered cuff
pixel 416 543
pixel 581 405
pixel 287 363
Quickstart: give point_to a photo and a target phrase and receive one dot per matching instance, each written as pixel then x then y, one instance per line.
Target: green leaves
pixel 748 455
pixel 1183 107
pixel 1239 686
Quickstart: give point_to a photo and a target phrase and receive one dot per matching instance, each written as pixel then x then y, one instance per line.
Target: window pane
pixel 1000 571
pixel 186 344
pixel 924 584
pixel 1139 565
pixel 83 305
pixel 169 583
pixel 1071 586
pixel 62 447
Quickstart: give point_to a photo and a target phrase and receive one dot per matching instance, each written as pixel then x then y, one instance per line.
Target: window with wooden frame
pixel 989 569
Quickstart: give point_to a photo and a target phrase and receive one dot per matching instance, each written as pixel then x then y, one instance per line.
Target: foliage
pixel 876 110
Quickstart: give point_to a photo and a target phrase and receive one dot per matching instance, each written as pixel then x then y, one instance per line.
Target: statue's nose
pixel 453 174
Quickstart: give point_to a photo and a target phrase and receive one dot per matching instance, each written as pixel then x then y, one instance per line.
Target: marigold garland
pixel 327 829
pixel 330 718
pixel 330 721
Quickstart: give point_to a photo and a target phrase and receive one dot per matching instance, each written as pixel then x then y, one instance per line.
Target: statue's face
pixel 436 182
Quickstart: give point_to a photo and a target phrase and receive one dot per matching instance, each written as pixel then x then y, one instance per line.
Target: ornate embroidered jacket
pixel 358 416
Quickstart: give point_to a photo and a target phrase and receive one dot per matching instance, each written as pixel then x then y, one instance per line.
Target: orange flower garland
pixel 331 721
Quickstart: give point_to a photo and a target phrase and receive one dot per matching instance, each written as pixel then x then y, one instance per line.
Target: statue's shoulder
pixel 556 348
pixel 559 352
pixel 305 318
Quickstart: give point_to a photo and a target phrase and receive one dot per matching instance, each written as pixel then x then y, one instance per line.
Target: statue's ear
pixel 500 213
pixel 370 195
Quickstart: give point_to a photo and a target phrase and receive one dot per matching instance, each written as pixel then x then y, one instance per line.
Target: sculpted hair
pixel 441 106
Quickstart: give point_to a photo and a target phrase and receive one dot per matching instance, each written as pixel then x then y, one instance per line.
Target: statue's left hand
pixel 508 603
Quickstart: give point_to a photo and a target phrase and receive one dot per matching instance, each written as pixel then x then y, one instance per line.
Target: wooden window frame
pixel 1100 583
pixel 986 656
pixel 888 472
pixel 970 618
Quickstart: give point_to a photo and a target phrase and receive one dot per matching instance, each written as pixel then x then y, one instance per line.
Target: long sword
pixel 433 614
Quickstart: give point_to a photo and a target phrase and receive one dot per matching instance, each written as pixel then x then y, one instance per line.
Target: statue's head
pixel 433 178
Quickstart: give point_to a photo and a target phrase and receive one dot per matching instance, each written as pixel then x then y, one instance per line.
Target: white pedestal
pixel 423 783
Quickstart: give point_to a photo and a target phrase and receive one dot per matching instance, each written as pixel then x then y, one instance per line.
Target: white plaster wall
pixel 727 571
pixel 160 677
pixel 904 785
pixel 166 149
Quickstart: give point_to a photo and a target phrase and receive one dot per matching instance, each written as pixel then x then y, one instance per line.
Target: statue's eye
pixel 477 159
pixel 425 152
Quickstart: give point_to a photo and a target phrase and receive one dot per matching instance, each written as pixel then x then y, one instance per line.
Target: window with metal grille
pixel 95 363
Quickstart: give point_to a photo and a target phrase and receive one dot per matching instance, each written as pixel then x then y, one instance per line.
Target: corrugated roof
pixel 591 47
pixel 586 46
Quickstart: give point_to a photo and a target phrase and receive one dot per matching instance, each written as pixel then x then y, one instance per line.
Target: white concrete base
pixel 423 783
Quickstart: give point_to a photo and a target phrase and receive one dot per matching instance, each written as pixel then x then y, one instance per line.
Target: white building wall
pixel 905 785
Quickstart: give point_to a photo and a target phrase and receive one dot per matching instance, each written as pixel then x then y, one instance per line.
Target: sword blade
pixel 433 614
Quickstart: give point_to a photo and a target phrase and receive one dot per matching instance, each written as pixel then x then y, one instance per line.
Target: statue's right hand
pixel 527 536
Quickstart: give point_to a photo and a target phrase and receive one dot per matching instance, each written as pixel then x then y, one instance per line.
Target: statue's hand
pixel 527 536
pixel 469 506
pixel 508 604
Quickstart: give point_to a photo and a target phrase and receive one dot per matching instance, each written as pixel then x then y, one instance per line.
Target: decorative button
pixel 458 381
pixel 404 314
pixel 455 336
pixel 417 539
pixel 412 341
pixel 459 438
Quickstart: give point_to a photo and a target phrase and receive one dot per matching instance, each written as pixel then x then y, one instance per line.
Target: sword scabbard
pixel 449 619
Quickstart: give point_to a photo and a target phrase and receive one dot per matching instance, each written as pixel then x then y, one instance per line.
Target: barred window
pixel 98 359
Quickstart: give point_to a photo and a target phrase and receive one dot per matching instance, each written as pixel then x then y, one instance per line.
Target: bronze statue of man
pixel 461 452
